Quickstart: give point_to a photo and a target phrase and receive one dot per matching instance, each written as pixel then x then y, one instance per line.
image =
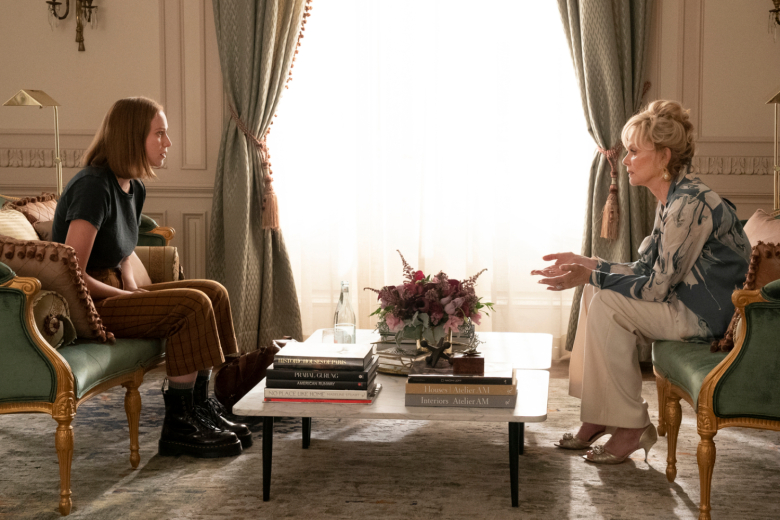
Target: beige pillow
pixel 43 229
pixel 37 208
pixel 763 227
pixel 159 264
pixel 14 224
pixel 56 266
pixel 53 319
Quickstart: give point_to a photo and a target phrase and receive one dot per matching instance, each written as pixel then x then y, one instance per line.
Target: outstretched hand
pixel 569 270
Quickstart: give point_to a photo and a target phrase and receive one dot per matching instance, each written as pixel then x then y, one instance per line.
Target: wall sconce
pixel 84 11
pixel 39 98
pixel 774 19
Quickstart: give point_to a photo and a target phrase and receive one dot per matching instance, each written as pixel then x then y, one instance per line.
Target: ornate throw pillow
pixel 56 266
pixel 764 268
pixel 53 319
pixel 37 208
pixel 763 227
pixel 13 224
pixel 43 229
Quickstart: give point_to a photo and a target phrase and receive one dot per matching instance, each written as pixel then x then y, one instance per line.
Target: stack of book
pixel 497 388
pixel 323 372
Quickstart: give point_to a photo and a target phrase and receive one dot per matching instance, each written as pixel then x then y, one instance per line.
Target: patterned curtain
pixel 257 42
pixel 608 39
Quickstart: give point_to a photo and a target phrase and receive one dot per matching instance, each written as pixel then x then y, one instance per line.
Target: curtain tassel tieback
pixel 270 219
pixel 610 217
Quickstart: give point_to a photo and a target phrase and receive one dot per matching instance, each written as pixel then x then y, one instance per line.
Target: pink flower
pixel 436 317
pixel 453 323
pixel 394 323
pixel 445 301
pixel 434 280
pixel 418 276
pixel 451 307
pixel 476 317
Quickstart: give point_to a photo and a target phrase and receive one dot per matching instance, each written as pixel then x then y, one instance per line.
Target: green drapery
pixel 608 40
pixel 257 40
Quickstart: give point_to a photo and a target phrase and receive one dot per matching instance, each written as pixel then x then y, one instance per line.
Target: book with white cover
pixel 307 393
pixel 326 356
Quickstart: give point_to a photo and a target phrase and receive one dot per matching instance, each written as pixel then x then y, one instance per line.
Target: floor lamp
pixel 39 98
pixel 776 144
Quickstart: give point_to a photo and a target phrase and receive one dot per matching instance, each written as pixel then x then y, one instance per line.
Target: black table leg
pixel 268 444
pixel 306 432
pixel 514 445
pixel 521 438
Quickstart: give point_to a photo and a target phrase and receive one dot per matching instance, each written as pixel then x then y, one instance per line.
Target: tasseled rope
pixel 270 205
pixel 270 202
pixel 610 217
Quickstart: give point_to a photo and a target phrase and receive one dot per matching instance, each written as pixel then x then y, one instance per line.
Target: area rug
pixel 383 469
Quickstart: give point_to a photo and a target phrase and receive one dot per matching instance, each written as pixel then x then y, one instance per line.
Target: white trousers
pixel 604 368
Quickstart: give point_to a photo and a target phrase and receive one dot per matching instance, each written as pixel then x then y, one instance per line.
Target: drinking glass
pixel 328 336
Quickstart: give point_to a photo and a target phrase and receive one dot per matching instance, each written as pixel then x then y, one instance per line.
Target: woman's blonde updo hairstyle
pixel 665 124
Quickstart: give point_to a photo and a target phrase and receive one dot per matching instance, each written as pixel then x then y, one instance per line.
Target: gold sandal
pixel 572 442
pixel 599 455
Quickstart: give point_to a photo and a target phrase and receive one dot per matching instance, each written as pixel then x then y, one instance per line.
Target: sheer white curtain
pixel 449 130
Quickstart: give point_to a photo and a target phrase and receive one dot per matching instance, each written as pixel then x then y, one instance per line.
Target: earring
pixel 666 176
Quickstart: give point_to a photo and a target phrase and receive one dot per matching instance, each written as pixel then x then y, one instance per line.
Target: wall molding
pixel 701 138
pixel 193 99
pixel 152 191
pixel 43 158
pixel 195 227
pixel 38 157
pixel 733 165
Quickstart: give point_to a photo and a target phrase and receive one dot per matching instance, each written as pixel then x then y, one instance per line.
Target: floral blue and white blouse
pixel 696 256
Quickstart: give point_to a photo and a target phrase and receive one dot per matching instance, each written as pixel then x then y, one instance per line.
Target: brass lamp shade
pixel 31 98
pixel 39 98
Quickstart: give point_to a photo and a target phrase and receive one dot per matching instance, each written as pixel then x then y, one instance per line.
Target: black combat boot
pixel 187 431
pixel 214 410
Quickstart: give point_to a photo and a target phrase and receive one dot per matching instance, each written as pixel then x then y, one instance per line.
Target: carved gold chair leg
pixel 673 419
pixel 64 411
pixel 662 386
pixel 133 410
pixel 705 456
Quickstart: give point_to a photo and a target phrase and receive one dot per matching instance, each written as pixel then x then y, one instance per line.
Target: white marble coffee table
pixel 529 353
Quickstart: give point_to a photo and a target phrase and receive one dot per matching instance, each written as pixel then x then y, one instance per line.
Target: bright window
pixel 450 130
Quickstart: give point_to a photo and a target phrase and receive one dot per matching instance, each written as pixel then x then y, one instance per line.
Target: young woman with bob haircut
pixel 98 215
pixel 679 289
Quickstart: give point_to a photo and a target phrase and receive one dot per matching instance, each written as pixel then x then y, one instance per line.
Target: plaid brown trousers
pixel 194 316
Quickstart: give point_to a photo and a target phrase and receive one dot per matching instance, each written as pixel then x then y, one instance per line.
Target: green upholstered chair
pixel 726 389
pixel 34 377
pixel 150 234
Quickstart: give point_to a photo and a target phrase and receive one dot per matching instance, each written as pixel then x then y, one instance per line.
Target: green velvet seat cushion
pixel 92 363
pixel 6 274
pixel 685 364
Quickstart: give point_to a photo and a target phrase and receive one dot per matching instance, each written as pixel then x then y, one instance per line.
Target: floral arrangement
pixel 428 307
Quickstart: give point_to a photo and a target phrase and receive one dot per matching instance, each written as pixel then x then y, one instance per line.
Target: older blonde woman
pixel 679 289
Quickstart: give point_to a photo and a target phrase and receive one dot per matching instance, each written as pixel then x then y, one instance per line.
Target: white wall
pixel 714 55
pixel 163 49
pixel 719 60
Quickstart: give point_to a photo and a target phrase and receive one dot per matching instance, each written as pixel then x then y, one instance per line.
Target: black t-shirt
pixel 94 195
